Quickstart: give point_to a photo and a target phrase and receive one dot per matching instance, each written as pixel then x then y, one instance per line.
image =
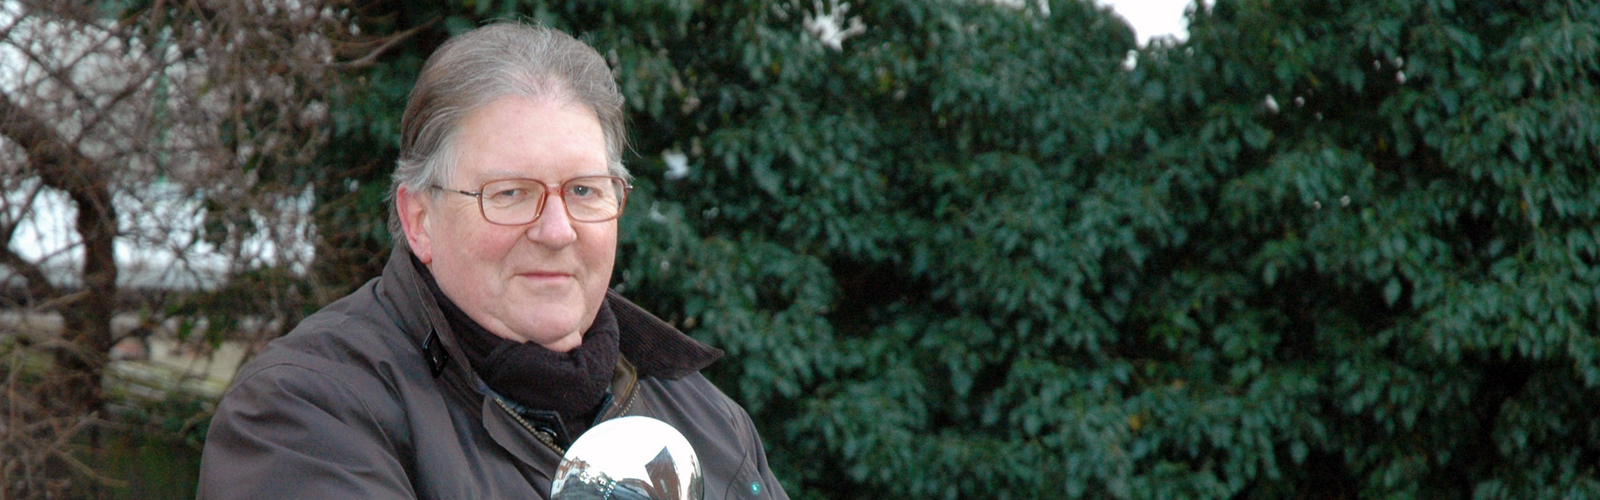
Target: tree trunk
pixel 88 312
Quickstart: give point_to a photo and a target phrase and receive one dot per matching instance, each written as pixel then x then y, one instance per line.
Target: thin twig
pixel 390 42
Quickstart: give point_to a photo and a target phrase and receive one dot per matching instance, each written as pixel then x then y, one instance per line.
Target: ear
pixel 414 211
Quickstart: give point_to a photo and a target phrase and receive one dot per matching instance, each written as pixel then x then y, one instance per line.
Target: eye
pixel 583 190
pixel 510 193
pixel 507 194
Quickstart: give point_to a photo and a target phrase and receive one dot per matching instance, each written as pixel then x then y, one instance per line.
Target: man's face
pixel 543 281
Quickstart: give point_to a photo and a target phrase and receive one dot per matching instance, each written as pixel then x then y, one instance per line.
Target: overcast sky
pixel 1151 18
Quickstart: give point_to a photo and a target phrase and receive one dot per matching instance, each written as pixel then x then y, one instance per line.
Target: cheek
pixel 600 252
pixel 489 242
pixel 475 250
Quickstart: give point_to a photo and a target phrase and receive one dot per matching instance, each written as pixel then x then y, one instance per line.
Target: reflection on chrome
pixel 629 458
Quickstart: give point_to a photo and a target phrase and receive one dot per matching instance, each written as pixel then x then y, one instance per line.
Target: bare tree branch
pixel 387 43
pixel 54 70
pixel 39 286
pixel 59 164
pixel 8 228
pixel 192 113
pixel 132 87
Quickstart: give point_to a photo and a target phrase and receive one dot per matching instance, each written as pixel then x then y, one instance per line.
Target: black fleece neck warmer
pixel 572 384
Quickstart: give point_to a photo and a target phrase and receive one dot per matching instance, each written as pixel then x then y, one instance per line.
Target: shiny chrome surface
pixel 629 458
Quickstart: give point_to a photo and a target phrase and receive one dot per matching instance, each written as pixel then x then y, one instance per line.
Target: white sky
pixel 1152 18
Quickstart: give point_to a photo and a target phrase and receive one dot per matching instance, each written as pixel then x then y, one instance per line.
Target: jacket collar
pixel 651 345
pixel 655 347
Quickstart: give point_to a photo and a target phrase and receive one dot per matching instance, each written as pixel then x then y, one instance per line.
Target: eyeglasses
pixel 514 202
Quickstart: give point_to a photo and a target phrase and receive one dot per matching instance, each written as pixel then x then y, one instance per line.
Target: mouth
pixel 545 275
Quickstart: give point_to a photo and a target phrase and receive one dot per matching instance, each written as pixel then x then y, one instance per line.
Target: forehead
pixel 543 139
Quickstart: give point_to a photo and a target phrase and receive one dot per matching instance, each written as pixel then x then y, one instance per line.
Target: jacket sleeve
pixel 754 479
pixel 766 481
pixel 293 432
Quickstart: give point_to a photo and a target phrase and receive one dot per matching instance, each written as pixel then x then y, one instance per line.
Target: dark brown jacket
pixel 371 398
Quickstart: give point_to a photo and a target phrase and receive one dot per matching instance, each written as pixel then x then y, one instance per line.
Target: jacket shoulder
pixel 353 333
pixel 347 351
pixel 325 401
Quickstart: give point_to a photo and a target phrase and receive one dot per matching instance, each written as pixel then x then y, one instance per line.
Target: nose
pixel 553 228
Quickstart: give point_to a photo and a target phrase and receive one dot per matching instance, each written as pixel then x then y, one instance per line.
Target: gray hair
pixel 481 66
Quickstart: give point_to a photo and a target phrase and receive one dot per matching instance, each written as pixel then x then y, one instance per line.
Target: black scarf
pixel 573 384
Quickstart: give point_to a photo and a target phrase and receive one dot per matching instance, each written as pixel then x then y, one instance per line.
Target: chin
pixel 546 332
pixel 547 321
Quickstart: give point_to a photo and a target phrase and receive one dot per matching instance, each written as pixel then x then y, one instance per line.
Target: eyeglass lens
pixel 519 201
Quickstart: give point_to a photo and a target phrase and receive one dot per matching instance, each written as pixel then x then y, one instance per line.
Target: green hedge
pixel 1320 249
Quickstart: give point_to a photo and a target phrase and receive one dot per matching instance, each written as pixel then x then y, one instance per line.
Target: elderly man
pixel 491 341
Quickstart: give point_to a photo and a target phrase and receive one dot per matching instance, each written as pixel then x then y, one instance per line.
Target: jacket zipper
pixel 627 404
pixel 547 439
pixel 629 394
pixel 543 436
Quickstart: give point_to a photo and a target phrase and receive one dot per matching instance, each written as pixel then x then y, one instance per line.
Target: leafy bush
pixel 1327 249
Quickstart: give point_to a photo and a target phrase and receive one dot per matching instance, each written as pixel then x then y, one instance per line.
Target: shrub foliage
pixel 976 250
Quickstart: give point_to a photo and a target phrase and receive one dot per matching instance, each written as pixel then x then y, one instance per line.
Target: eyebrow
pixel 494 175
pixel 498 175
